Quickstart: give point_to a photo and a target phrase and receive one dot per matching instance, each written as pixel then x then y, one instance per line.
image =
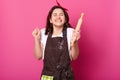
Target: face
pixel 57 18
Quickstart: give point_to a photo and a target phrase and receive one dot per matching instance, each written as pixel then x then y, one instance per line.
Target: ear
pixel 50 21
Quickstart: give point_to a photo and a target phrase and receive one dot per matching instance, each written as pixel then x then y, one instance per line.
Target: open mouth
pixel 58 20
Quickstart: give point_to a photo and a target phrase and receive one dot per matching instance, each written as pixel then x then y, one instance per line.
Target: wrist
pixel 75 44
pixel 37 40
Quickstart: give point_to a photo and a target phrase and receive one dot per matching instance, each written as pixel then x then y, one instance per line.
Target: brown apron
pixel 56 59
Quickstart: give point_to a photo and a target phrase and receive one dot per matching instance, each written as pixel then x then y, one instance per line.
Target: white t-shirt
pixel 44 38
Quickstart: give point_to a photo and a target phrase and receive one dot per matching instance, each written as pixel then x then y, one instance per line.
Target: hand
pixel 75 37
pixel 36 33
pixel 76 33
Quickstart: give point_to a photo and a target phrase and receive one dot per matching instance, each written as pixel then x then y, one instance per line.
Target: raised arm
pixel 38 47
pixel 75 38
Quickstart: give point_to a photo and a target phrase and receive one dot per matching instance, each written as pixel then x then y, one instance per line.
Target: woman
pixel 53 45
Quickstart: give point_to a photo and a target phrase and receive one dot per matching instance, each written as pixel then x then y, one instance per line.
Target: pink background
pixel 99 57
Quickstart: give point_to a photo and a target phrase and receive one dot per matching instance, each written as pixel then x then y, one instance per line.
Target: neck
pixel 57 30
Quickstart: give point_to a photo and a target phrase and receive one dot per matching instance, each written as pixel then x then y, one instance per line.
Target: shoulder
pixel 42 30
pixel 69 33
pixel 70 29
pixel 43 36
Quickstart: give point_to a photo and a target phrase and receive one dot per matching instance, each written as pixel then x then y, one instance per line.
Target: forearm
pixel 38 49
pixel 75 50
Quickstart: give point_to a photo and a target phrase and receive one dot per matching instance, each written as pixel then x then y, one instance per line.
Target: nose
pixel 58 16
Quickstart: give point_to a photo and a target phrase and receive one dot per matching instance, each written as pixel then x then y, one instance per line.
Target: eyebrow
pixel 59 13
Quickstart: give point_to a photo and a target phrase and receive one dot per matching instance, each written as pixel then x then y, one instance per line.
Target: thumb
pixel 39 32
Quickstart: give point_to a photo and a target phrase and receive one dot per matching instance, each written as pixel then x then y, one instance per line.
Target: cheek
pixel 63 18
pixel 52 19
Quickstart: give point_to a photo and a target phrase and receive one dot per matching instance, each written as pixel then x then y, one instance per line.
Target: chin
pixel 59 25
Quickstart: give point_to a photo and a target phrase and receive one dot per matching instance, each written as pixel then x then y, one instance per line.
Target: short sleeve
pixel 43 39
pixel 69 37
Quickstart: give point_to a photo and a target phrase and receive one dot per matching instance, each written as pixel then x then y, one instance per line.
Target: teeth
pixel 58 20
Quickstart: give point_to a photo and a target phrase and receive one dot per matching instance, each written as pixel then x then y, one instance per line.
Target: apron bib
pixel 56 59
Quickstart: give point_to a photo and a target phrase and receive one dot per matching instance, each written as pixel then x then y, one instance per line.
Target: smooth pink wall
pixel 99 57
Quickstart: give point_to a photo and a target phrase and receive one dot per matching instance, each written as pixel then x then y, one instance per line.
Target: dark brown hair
pixel 49 26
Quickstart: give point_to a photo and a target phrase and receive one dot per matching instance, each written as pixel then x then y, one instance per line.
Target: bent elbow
pixel 38 57
pixel 74 58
